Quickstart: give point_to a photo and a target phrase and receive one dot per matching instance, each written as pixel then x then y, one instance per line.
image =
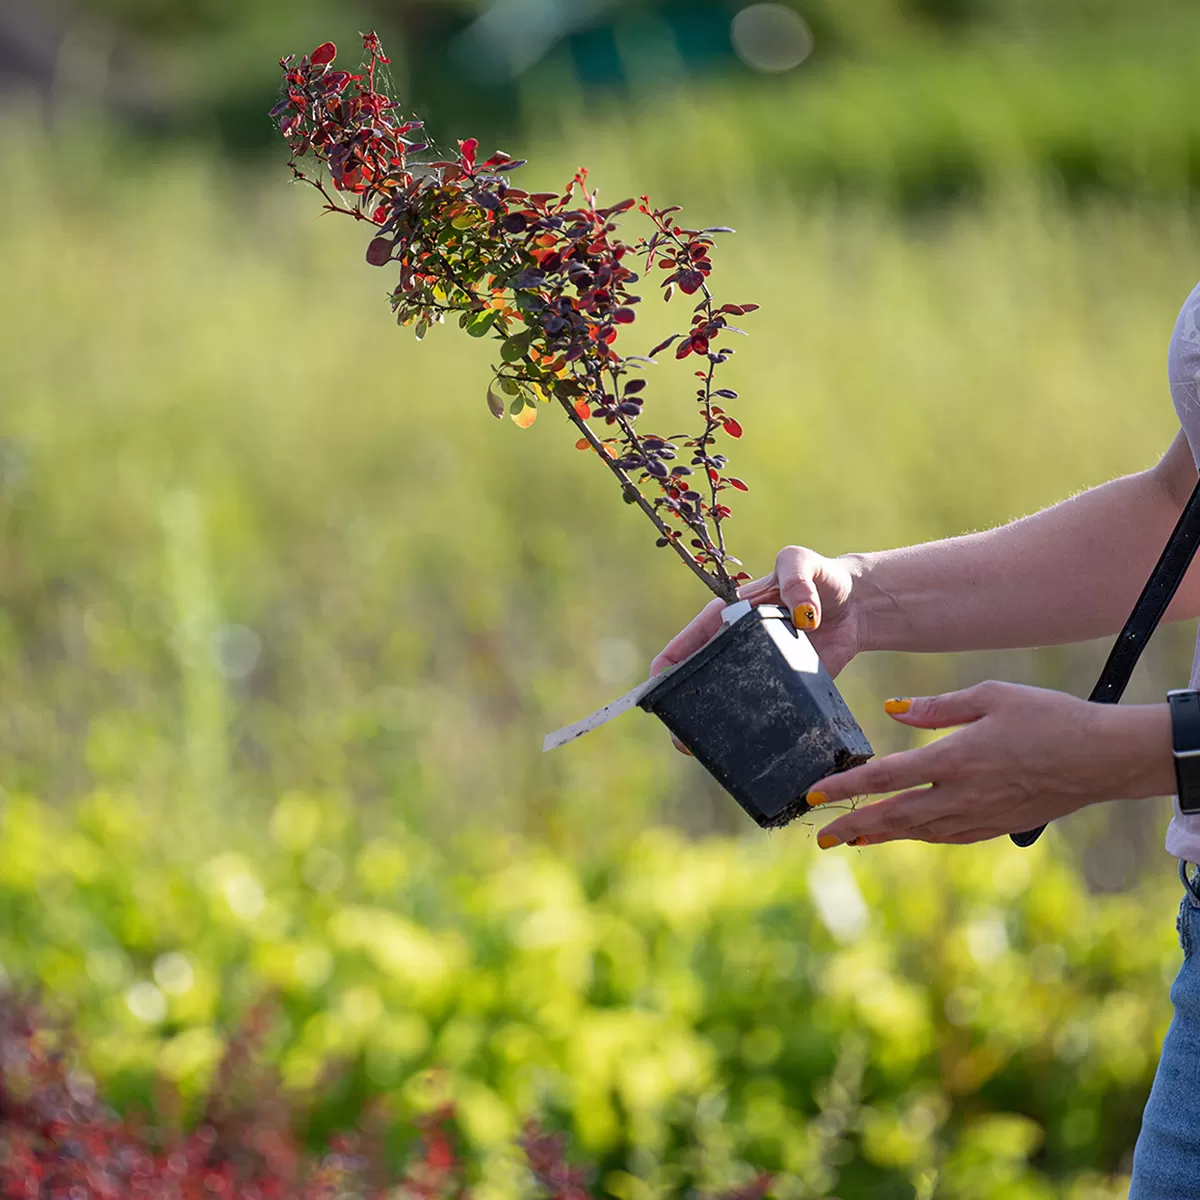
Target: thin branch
pixel 724 589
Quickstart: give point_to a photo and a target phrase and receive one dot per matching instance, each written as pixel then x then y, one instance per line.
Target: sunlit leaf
pixel 734 430
pixel 526 416
pixel 480 323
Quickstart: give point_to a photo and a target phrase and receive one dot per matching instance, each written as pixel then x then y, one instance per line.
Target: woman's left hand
pixel 1024 756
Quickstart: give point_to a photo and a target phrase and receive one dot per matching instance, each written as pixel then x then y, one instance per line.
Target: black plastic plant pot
pixel 761 714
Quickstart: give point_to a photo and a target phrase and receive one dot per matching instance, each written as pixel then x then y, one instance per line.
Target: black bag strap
pixel 1156 596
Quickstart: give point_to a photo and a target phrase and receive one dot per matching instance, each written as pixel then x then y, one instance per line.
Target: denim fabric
pixel 1166 1163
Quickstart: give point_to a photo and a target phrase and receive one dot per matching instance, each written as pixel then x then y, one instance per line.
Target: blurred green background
pixel 284 614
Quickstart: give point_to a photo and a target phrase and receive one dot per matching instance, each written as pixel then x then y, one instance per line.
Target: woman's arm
pixel 1065 574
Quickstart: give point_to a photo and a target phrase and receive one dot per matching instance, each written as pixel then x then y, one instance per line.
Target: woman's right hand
pixel 817 591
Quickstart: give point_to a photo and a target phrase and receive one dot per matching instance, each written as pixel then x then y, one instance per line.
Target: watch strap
pixel 1185 745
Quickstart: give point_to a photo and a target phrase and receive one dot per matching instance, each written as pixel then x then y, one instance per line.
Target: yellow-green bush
pixel 864 1023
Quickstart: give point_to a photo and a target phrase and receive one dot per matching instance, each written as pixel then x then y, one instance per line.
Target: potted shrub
pixel 548 277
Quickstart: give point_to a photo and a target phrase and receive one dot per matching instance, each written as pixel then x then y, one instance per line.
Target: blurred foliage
pixel 917 102
pixel 254 537
pixel 689 1011
pixel 291 613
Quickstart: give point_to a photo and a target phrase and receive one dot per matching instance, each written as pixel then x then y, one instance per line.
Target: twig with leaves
pixel 546 275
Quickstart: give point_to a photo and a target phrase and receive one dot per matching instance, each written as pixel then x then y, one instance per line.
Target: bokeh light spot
pixel 770 37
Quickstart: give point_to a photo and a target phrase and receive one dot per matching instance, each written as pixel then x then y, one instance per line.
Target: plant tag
pixel 602 716
pixel 560 737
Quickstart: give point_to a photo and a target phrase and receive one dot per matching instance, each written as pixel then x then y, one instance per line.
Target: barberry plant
pixel 545 274
pixel 59 1140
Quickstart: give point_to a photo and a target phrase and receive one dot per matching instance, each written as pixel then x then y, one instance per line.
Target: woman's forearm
pixel 1066 574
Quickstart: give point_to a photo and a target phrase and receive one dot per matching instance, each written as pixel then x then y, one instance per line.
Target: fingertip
pixel 897 706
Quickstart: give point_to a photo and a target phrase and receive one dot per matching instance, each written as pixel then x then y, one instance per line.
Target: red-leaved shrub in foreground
pixel 60 1141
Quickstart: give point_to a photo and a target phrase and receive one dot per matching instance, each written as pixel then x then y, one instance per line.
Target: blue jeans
pixel 1166 1162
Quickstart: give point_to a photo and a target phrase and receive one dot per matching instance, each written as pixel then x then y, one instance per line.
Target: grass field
pixel 260 549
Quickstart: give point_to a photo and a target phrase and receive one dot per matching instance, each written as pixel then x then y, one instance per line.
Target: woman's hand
pixel 817 591
pixel 1024 756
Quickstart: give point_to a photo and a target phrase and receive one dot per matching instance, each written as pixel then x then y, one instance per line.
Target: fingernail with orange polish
pixel 804 616
pixel 815 798
pixel 897 705
pixel 827 841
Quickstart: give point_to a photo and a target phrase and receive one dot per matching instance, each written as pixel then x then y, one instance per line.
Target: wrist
pixel 1139 739
pixel 870 604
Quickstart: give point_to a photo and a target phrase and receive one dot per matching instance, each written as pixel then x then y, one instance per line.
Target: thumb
pixel 939 712
pixel 795 570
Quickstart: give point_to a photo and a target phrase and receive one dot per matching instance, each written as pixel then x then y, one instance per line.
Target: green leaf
pixel 480 323
pixel 516 347
pixel 509 385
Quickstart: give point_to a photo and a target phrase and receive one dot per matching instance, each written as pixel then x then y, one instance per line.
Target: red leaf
pixel 663 345
pixel 325 53
pixel 379 252
pixel 685 348
pixel 749 308
pixel 735 431
pixel 468 153
pixel 624 316
pixel 737 483
pixel 583 444
pixel 582 409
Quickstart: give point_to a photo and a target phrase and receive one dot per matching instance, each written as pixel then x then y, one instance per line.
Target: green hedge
pixel 927 123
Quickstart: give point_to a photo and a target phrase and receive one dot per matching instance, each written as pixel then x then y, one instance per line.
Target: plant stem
pixel 698 526
pixel 723 588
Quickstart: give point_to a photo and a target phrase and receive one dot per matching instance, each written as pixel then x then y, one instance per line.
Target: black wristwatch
pixel 1185 742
